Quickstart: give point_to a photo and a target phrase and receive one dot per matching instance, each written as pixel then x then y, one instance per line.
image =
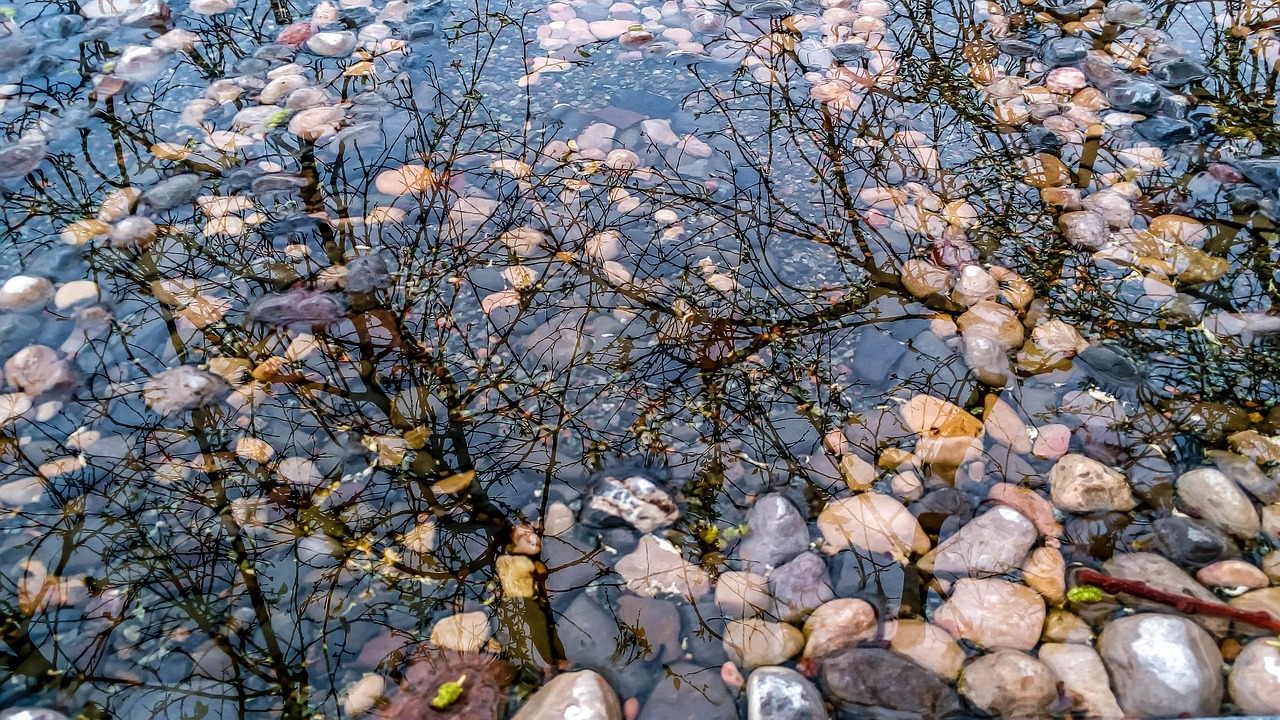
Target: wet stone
pixel 800 586
pixel 1191 543
pixel 183 388
pixel 584 695
pixel 872 682
pixel 629 496
pixel 776 532
pixel 299 306
pixel 591 638
pixel 994 543
pixel 21 158
pixel 1162 574
pixel 1136 96
pixel 1255 678
pixel 1060 52
pixel 1166 130
pixel 1263 172
pixel 1008 683
pixel 42 373
pixel 1162 666
pixel 1208 494
pixel 366 274
pixel 172 192
pixel 778 692
pixel 1175 73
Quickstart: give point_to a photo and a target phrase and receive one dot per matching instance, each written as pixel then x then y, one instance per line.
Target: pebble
pixel 800 586
pixel 465 632
pixel 132 231
pixel 1085 228
pixel 139 63
pixel 1162 666
pixel 1190 542
pixel 776 532
pixel 836 625
pixel 993 613
pixel 1064 627
pixel 1009 683
pixel 172 192
pixel 582 695
pixel 1232 574
pixel 656 567
pixel 927 645
pixel 1246 473
pixel 754 642
pixel 25 293
pixel 332 44
pixel 74 293
pixel 1255 678
pixel 363 695
pixel 1083 485
pixel 1045 572
pixel 183 388
pixel 873 682
pixel 1084 679
pixel 1211 496
pixel 774 693
pixel 743 594
pixel 42 373
pixel 628 496
pixel 1029 504
pixel 992 544
pixel 873 522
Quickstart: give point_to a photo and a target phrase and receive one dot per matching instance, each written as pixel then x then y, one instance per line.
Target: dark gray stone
pixel 878 683
pixel 172 192
pixel 800 586
pixel 1136 96
pixel 1192 543
pixel 776 533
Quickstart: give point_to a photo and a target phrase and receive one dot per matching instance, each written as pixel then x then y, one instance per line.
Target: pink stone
pixel 296 34
pixel 1051 441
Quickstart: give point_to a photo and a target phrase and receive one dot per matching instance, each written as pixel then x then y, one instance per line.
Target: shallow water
pixel 486 251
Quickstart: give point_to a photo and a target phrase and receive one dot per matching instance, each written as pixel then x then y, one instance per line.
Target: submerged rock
pixel 800 586
pixel 42 373
pixel 1009 683
pixel 583 695
pixel 299 306
pixel 1083 485
pixel 656 567
pixel 1084 679
pixel 21 158
pixel 993 613
pixel 992 544
pixel 776 532
pixel 1208 494
pixel 183 388
pixel 775 693
pixel 629 496
pixel 1255 678
pixel 872 682
pixel 1162 666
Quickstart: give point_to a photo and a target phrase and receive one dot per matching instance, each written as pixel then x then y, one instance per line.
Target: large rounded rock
pixel 800 586
pixel 1083 485
pixel 873 522
pixel 754 642
pixel 1162 666
pixel 656 567
pixel 872 682
pixel 1083 677
pixel 1210 495
pixel 992 544
pixel 583 695
pixel 993 613
pixel 837 625
pixel 777 532
pixel 928 646
pixel 1008 683
pixel 629 496
pixel 777 692
pixel 1255 678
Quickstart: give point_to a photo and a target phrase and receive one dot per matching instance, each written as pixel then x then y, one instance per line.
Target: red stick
pixel 1181 603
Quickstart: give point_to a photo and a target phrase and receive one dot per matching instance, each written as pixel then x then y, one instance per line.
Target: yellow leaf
pixel 455 484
